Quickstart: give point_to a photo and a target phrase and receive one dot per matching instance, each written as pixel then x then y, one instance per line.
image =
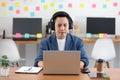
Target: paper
pixel 26 69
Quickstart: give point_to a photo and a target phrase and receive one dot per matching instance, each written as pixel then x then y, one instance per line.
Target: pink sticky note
pixel 17 11
pixel 70 5
pixel 37 8
pixel 18 35
pixel 12 0
pixel 115 4
pixel 93 5
pixel 119 13
pixel 105 35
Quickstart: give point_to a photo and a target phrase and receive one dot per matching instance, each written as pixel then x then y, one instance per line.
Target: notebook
pixel 61 62
pixel 27 69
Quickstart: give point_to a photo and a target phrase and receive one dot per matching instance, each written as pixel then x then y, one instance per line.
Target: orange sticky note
pixel 3 4
pixel 26 8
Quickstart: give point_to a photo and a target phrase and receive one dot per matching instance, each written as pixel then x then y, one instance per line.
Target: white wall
pixel 77 13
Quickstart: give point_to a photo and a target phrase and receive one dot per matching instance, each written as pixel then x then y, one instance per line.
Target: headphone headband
pixel 51 24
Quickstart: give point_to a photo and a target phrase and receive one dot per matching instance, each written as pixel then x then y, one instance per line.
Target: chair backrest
pixel 103 49
pixel 9 48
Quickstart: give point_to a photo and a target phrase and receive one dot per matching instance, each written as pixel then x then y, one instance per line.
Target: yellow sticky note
pixel 82 5
pixel 4 13
pixel 39 35
pixel 100 35
pixel 26 8
pixel 52 4
pixel 45 6
pixel 3 4
pixel 107 0
pixel 17 4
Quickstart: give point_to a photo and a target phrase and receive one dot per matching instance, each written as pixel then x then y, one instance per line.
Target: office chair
pixel 9 48
pixel 103 49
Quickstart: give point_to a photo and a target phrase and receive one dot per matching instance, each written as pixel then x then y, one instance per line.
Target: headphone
pixel 51 23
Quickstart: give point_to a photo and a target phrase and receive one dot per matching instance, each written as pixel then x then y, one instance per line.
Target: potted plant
pixel 4 70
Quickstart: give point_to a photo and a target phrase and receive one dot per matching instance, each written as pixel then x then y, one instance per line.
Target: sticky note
pixel 17 11
pixel 39 35
pixel 12 0
pixel 32 14
pixel 82 5
pixel 60 6
pixel 52 4
pixel 10 8
pixel 93 5
pixel 119 13
pixel 17 4
pixel 100 35
pixel 18 35
pixel 42 1
pixel 69 5
pixel 26 8
pixel 45 7
pixel 105 35
pixel 107 0
pixel 3 4
pixel 37 8
pixel 26 35
pixel 4 13
pixel 88 35
pixel 115 4
pixel 104 6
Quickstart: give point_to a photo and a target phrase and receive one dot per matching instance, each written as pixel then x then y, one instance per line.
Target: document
pixel 27 69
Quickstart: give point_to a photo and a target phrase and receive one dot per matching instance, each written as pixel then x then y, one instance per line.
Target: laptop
pixel 61 62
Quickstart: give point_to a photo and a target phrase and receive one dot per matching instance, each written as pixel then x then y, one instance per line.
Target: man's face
pixel 61 27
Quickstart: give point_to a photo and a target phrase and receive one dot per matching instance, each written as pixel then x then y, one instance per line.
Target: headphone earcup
pixel 51 25
pixel 70 23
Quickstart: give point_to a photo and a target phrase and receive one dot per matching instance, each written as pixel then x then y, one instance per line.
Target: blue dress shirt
pixel 72 43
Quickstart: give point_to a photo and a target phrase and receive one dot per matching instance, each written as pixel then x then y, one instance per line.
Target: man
pixel 61 22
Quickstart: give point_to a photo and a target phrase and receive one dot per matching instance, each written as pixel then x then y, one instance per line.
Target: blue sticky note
pixel 88 35
pixel 32 14
pixel 60 6
pixel 42 1
pixel 11 8
pixel 26 35
pixel 104 6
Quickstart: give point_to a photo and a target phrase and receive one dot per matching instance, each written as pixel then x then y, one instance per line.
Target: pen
pixel 29 69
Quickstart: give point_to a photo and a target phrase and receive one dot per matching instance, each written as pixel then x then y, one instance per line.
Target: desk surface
pixel 85 40
pixel 112 72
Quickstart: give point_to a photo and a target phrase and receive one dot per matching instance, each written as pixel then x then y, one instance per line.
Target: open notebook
pixel 26 69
